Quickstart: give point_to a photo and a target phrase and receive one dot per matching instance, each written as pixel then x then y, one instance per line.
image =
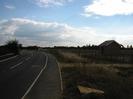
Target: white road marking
pixel 28 58
pixel 6 54
pixel 23 97
pixel 19 63
pixel 8 58
pixel 16 65
pixel 60 75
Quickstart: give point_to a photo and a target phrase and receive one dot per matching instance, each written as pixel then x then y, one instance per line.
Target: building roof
pixel 108 42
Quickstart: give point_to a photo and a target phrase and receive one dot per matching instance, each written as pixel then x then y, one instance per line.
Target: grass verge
pixel 116 80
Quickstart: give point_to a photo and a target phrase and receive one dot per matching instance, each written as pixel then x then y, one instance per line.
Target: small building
pixel 110 47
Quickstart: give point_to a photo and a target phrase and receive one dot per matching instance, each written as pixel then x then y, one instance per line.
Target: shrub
pixel 13 46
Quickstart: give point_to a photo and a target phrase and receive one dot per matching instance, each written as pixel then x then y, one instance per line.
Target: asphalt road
pixel 30 75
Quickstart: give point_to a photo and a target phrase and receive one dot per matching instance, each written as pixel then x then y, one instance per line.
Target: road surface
pixel 31 75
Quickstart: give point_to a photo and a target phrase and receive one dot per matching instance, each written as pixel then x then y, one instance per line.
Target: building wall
pixel 112 49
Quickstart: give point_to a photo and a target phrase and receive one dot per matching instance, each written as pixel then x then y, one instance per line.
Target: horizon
pixel 66 22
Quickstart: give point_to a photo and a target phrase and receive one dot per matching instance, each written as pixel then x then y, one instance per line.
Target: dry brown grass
pixel 70 55
pixel 116 80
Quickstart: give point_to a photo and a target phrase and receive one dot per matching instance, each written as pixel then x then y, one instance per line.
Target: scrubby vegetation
pixel 11 46
pixel 115 80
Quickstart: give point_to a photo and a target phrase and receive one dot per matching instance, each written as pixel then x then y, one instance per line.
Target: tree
pixel 131 46
pixel 13 46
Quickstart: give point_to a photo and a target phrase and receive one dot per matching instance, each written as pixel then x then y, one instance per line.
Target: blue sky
pixel 66 22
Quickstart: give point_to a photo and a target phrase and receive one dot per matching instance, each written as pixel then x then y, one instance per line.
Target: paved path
pixel 48 85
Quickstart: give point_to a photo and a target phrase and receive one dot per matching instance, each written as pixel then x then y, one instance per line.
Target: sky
pixel 66 22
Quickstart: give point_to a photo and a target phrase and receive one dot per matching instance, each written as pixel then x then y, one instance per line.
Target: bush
pixel 13 46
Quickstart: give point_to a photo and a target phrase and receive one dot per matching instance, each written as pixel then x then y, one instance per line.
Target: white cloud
pixel 52 33
pixel 109 8
pixel 48 3
pixel 10 7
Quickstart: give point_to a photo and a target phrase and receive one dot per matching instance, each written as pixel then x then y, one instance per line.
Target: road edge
pixel 33 83
pixel 60 75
